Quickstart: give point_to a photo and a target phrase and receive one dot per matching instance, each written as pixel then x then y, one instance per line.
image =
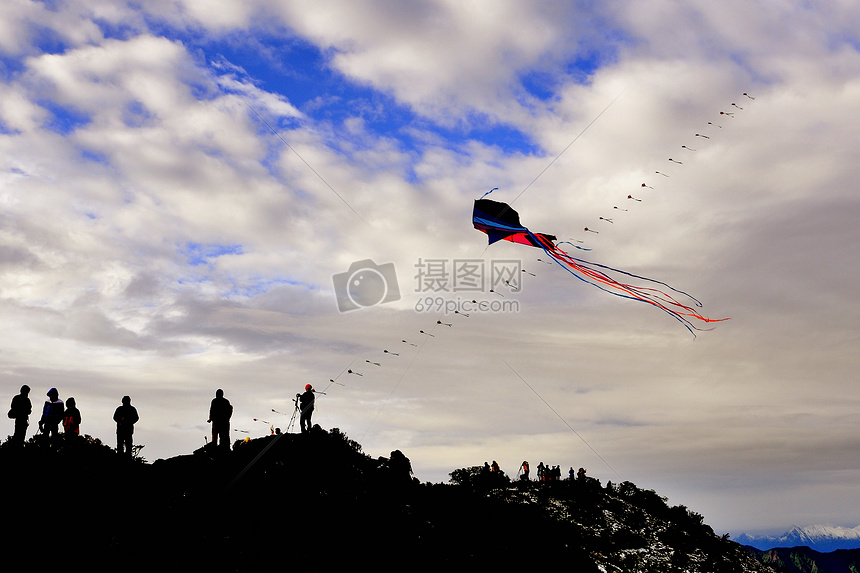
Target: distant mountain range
pixel 806 560
pixel 821 538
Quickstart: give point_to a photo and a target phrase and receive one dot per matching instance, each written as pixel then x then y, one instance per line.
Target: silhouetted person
pixel 525 468
pixel 52 415
pixel 495 466
pixel 71 419
pixel 400 466
pixel 20 412
pixel 220 411
pixel 125 417
pixel 306 405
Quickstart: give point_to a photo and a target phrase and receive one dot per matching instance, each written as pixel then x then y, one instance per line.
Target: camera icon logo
pixel 365 284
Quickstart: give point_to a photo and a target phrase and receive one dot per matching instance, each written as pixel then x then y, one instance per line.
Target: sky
pixel 190 190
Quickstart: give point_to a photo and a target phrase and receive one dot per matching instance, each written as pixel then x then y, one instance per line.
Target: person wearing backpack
pixel 20 412
pixel 52 415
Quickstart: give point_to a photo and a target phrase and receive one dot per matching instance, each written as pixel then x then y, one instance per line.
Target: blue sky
pixel 302 74
pixel 181 181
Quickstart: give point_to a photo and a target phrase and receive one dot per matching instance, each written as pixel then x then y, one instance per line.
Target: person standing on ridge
pixel 220 412
pixel 306 404
pixel 52 415
pixel 72 419
pixel 125 417
pixel 20 412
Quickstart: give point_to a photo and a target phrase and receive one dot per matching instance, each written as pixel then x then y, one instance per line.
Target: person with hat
pixel 52 415
pixel 306 402
pixel 20 412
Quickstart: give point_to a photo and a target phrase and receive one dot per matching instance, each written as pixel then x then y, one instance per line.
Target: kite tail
pixel 574 246
pixel 595 275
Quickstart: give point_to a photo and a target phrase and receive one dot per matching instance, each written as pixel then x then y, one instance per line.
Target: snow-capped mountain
pixel 822 538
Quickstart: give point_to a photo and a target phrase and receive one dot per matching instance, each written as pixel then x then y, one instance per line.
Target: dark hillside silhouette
pixel 316 500
pixel 805 560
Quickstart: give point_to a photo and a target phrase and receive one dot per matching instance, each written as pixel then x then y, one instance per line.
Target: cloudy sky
pixel 186 186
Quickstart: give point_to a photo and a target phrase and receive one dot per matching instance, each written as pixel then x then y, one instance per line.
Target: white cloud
pixel 158 240
pixel 25 23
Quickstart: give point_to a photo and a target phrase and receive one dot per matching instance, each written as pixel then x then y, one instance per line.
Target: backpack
pixel 54 411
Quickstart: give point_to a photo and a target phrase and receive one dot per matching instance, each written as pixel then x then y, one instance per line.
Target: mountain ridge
pixel 805 560
pixel 823 538
pixel 317 501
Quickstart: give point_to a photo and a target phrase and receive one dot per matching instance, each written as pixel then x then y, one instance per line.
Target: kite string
pixel 544 170
pixel 529 386
pixel 309 166
pixel 390 394
pixel 569 145
pixel 347 368
pixel 645 185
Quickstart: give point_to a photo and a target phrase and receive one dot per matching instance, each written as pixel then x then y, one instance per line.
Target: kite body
pixel 500 222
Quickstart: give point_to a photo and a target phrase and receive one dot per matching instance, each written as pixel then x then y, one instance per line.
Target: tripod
pixel 295 411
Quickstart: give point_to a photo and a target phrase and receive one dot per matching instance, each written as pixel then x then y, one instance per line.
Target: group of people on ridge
pixel 56 412
pixel 544 472
pixel 547 473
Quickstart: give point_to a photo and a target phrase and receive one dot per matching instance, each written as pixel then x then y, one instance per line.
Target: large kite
pixel 501 223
